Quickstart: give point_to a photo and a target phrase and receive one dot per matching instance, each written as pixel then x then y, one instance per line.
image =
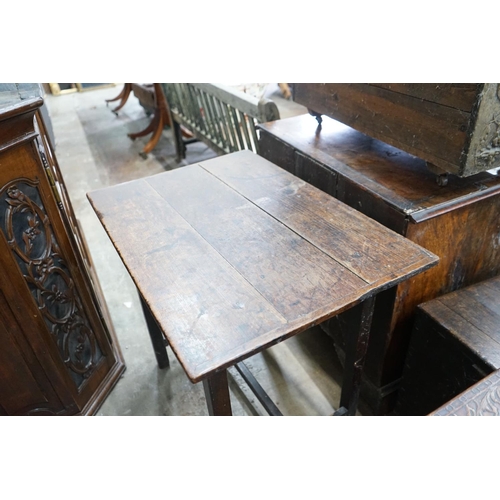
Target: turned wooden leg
pixel 356 347
pixel 157 338
pixel 217 394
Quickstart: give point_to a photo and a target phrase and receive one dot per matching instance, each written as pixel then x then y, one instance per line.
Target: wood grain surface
pixel 431 130
pixel 382 171
pixel 481 400
pixel 234 254
pixel 473 315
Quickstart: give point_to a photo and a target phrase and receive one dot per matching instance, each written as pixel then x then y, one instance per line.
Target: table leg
pixel 217 394
pixel 356 348
pixel 157 338
pixel 123 96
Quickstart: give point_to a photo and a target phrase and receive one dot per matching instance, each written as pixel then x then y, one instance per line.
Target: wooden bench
pixel 222 117
pixel 455 343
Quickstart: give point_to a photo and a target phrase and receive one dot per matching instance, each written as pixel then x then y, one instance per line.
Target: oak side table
pixel 234 254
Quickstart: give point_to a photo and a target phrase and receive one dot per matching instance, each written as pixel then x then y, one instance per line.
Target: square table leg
pixel 217 394
pixel 356 347
pixel 157 338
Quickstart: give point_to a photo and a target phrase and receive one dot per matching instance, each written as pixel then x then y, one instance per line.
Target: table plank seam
pixel 283 224
pixel 215 249
pixel 359 214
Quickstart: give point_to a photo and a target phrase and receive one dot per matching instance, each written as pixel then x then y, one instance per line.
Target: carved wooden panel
pixel 31 239
pixel 482 399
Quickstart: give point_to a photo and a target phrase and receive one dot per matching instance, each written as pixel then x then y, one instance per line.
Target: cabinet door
pixel 24 389
pixel 53 296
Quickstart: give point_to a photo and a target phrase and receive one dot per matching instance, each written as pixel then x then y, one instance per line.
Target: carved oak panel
pixel 31 239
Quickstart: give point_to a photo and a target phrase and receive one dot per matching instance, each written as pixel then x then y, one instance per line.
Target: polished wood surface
pixel 59 354
pixel 451 126
pixel 401 180
pixel 397 190
pixel 231 255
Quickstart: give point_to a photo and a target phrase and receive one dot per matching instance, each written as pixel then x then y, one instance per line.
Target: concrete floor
pixel 301 374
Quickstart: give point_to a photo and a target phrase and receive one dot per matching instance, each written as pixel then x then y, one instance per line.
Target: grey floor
pixel 301 375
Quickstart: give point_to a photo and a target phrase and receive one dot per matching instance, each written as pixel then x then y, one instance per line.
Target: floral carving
pixel 30 237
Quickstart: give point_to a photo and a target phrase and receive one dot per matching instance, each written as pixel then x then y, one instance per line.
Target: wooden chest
pixel 480 400
pixel 455 127
pixel 397 190
pixel 455 343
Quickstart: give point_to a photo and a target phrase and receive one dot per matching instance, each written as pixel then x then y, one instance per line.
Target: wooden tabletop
pixel 235 254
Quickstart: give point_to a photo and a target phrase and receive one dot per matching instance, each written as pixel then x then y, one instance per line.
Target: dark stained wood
pixel 63 358
pixel 217 394
pixel 397 190
pixel 461 96
pixel 157 338
pixel 481 400
pixel 24 385
pixel 291 273
pixel 402 181
pixel 356 350
pixel 357 243
pixel 257 389
pixel 453 127
pixel 423 128
pixel 456 343
pixel 232 257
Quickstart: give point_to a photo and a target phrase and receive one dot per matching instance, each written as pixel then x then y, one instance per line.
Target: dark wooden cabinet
pixel 58 351
pixel 459 223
